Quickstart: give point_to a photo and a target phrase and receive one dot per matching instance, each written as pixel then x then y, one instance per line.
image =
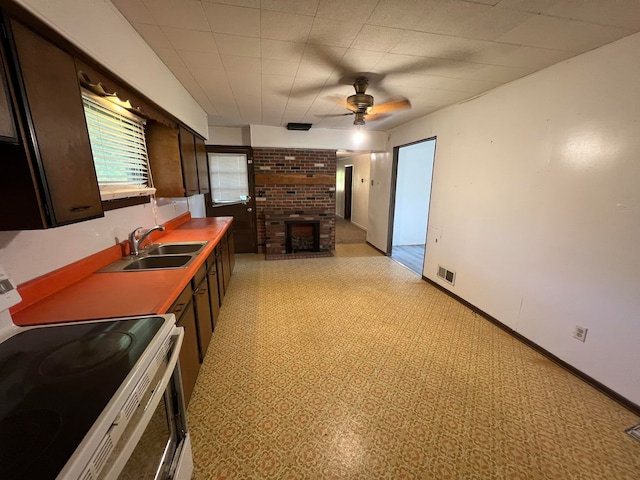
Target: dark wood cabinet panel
pixel 189 355
pixel 163 148
pixel 57 124
pixel 214 296
pixel 8 131
pixel 48 174
pixel 189 166
pixel 203 310
pixel 202 163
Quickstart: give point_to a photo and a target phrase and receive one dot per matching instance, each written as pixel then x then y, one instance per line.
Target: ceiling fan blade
pixel 376 116
pixel 342 102
pixel 389 106
pixel 331 115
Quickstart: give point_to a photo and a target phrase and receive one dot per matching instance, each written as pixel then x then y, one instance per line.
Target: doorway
pixel 410 197
pixel 348 191
pixel 232 186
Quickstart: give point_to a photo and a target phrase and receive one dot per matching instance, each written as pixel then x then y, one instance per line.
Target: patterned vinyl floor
pixel 352 367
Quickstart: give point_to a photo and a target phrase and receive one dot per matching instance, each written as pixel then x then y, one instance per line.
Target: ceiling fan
pixel 362 104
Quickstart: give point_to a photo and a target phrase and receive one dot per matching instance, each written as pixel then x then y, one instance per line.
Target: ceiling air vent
pixel 446 275
pixel 299 126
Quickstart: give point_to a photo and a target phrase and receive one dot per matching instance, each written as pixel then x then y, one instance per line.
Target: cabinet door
pixel 189 166
pixel 8 131
pixel 226 264
pixel 189 357
pixel 203 169
pixel 56 122
pixel 220 267
pixel 214 297
pixel 203 316
pixel 232 252
pixel 163 148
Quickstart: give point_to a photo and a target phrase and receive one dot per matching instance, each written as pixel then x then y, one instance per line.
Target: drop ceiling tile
pixel 617 13
pixel 439 46
pixel 170 58
pixel 398 13
pixel 237 3
pixel 201 60
pixel 519 56
pixel 280 50
pixel 241 65
pixel 356 11
pixel 333 33
pixel 191 40
pixel 279 67
pixel 276 85
pixel 449 17
pixel 186 14
pixel 323 54
pixel 285 26
pixel 302 7
pixel 533 6
pixel 237 45
pixel 153 35
pixel 377 39
pixel 314 72
pixel 562 34
pixel 496 73
pixel 233 20
pixel 359 61
pixel 134 11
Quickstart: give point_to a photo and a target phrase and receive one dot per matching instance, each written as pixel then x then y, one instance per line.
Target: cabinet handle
pixel 178 308
pixel 81 208
pixel 201 291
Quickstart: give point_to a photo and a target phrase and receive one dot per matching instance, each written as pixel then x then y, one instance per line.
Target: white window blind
pixel 119 149
pixel 229 180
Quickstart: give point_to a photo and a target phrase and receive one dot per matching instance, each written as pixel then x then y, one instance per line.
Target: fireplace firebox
pixel 302 236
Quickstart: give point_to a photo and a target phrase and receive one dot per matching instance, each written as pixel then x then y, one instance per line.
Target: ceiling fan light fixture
pixel 359 120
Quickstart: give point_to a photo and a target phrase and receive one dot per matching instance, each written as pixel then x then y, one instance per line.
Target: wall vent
pixel 299 126
pixel 446 275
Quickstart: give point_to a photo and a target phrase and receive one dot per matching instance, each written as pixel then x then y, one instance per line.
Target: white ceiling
pixel 270 62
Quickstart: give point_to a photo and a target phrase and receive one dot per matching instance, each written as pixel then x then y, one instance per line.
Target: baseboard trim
pixel 625 402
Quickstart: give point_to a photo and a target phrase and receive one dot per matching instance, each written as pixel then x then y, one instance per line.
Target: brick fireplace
pixel 295 188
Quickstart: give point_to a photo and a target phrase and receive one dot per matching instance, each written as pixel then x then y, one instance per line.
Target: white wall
pixel 100 30
pixel 413 187
pixel 535 203
pixel 29 254
pixel 321 138
pixel 360 188
pixel 236 136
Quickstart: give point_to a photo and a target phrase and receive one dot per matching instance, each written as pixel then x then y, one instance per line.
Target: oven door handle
pixel 149 409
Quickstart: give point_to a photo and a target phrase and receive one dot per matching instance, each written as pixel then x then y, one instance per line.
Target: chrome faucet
pixel 136 241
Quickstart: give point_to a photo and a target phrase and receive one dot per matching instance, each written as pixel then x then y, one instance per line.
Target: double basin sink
pixel 159 256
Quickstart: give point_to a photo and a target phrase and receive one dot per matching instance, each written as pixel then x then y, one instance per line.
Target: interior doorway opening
pixel 410 197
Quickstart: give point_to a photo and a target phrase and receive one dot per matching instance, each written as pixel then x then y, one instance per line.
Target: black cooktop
pixel 55 382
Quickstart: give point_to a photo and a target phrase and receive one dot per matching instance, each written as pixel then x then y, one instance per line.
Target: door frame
pixel 242 150
pixel 394 180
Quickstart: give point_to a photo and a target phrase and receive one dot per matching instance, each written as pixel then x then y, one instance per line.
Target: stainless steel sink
pixel 160 256
pixel 164 261
pixel 174 248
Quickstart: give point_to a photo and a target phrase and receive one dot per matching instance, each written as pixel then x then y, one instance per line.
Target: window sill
pixel 124 202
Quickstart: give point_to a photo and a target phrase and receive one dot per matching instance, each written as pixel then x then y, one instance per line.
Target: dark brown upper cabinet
pixel 48 178
pixel 189 166
pixel 172 156
pixel 8 132
pixel 203 169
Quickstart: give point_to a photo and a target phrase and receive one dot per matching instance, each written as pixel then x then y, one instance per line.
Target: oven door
pixel 163 448
pixel 156 444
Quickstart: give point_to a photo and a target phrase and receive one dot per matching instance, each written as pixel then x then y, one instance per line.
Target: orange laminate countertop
pixel 121 294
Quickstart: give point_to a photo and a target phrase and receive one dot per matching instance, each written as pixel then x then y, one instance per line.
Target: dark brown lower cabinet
pixel 226 263
pixel 203 310
pixel 214 296
pixel 189 354
pixel 232 252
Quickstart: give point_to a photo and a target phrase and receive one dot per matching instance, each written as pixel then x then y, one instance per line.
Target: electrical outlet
pixel 580 333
